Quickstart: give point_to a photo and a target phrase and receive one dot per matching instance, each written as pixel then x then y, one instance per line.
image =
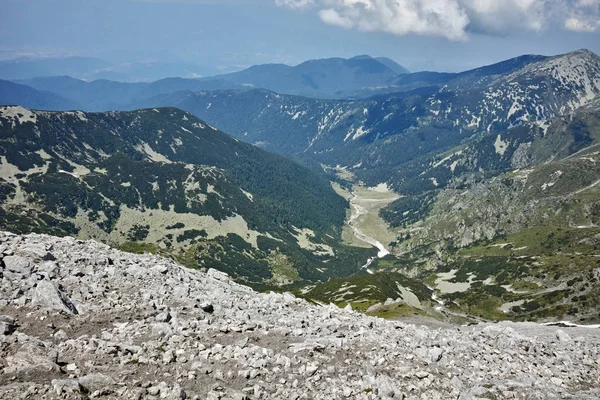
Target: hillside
pixel 99 323
pixel 516 222
pixel 163 180
pixel 501 226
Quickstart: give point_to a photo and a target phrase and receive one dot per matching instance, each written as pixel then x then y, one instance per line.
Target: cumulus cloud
pixel 584 16
pixel 454 19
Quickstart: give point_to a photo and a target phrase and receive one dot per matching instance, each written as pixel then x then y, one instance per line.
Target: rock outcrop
pixel 82 320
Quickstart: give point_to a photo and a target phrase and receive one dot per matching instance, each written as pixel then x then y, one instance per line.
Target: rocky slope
pixel 81 320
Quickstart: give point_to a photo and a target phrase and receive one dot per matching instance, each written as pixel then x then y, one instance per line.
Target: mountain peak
pixel 362 57
pixel 582 52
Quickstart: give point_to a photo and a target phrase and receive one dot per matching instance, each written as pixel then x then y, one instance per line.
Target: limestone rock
pixel 154 329
pixel 47 295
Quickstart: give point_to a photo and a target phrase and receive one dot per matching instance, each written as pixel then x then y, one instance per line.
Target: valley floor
pixel 364 226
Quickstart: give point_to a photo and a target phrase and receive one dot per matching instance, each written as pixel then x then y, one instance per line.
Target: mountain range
pixel 365 135
pixel 495 170
pixel 392 137
pixel 322 78
pixel 333 77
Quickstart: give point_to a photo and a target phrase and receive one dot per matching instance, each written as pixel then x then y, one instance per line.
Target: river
pixel 367 226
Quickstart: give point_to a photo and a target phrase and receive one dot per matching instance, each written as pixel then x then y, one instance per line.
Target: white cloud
pixel 454 19
pixel 584 16
pixel 297 4
pixel 332 17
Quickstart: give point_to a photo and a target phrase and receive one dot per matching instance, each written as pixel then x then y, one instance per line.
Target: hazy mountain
pixel 329 77
pixel 150 71
pixel 23 68
pixel 15 94
pixel 393 65
pixel 104 95
pixel 163 180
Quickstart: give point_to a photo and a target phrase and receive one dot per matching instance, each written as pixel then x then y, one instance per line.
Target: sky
pixel 226 35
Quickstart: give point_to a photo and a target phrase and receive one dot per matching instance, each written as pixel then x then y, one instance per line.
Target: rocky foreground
pixel 81 320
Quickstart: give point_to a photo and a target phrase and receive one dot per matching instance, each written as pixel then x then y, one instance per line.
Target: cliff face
pixel 81 320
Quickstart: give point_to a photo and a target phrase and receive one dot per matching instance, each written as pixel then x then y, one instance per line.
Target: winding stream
pixel 358 211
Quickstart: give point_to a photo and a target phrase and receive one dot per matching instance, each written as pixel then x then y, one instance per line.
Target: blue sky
pixel 445 35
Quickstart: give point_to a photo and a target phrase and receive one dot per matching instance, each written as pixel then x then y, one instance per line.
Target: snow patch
pixel 153 155
pixel 18 114
pixel 500 146
pixel 361 131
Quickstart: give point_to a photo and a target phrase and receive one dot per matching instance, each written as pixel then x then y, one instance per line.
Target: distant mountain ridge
pixel 391 137
pixel 16 94
pixel 320 78
pixel 393 65
pixel 388 137
pixel 333 77
pixel 23 68
pixel 105 95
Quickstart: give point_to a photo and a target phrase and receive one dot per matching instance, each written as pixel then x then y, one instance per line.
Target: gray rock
pixel 66 386
pixel 47 295
pixel 161 269
pixel 563 336
pixel 163 317
pixel 168 356
pixel 7 325
pixel 30 359
pixel 16 267
pixel 207 307
pixel 38 251
pixel 435 354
